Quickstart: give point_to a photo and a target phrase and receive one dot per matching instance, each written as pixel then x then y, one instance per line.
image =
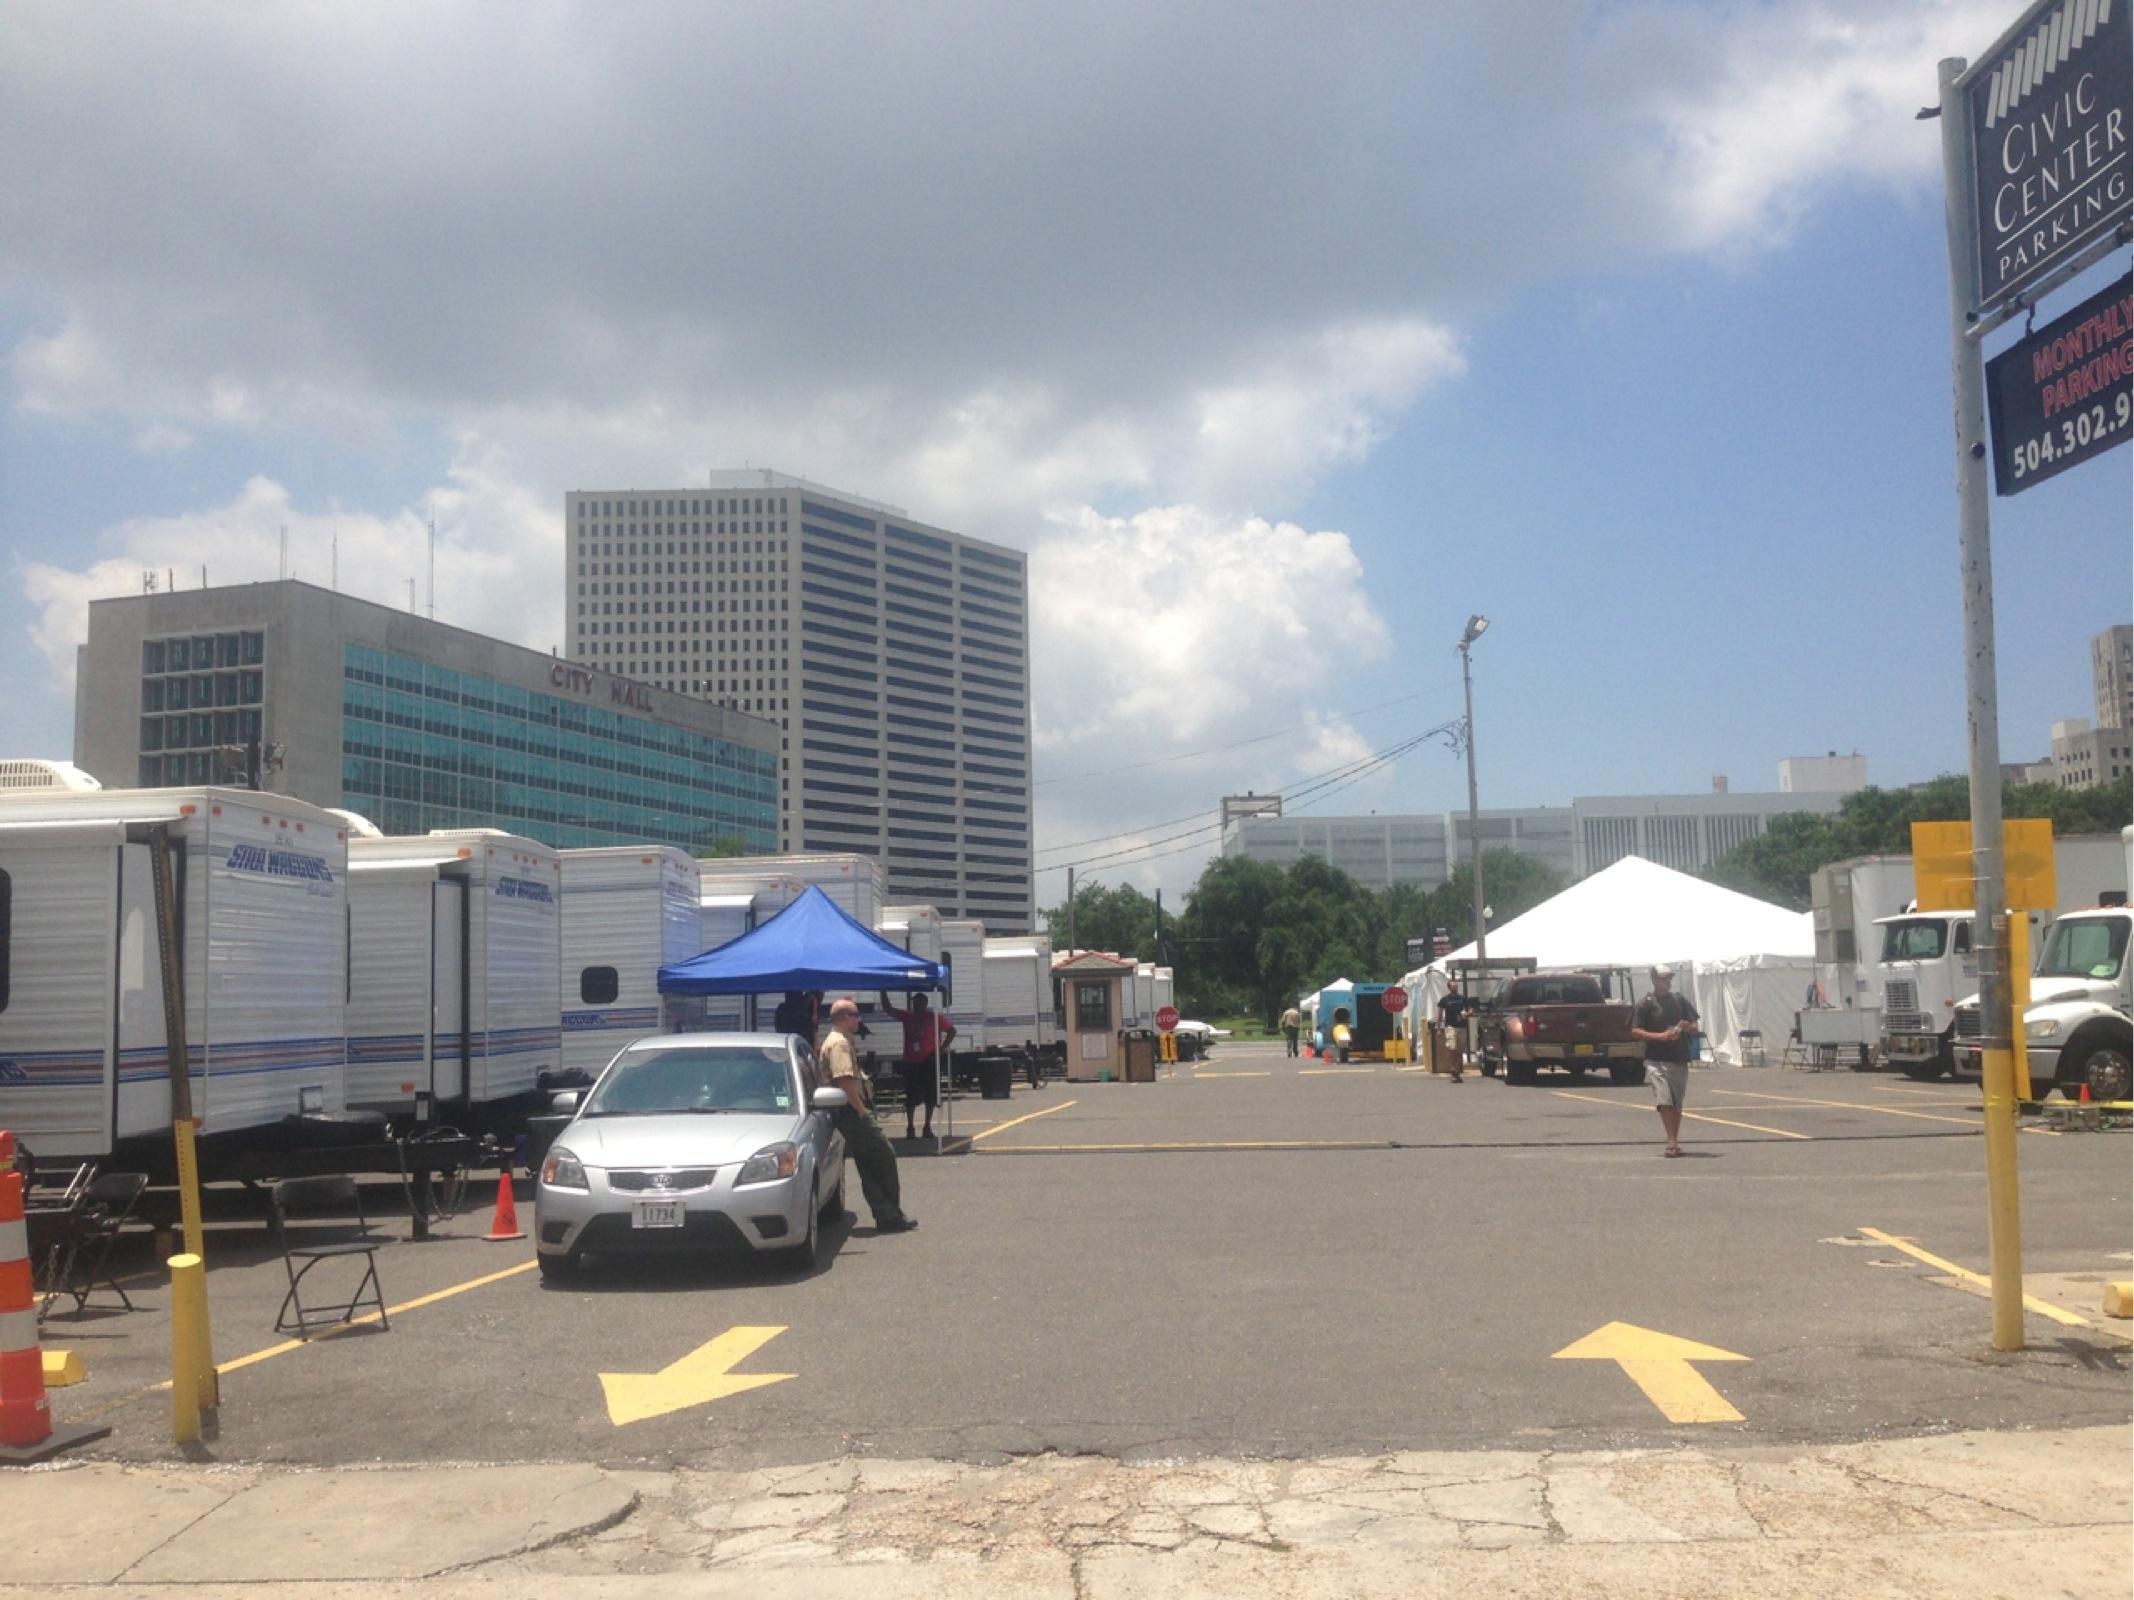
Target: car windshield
pixel 2085 948
pixel 695 1078
pixel 1554 990
pixel 1923 940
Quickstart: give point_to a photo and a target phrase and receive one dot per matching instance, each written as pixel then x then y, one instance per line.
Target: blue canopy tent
pixel 811 945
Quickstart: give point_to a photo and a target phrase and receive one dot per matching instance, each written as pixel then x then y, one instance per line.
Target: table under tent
pixel 1746 964
pixel 811 947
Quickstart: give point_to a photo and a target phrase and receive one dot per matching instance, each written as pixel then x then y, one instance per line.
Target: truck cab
pixel 2077 1027
pixel 1927 964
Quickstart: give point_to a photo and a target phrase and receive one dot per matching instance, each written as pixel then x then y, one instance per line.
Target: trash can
pixel 996 1078
pixel 1140 1056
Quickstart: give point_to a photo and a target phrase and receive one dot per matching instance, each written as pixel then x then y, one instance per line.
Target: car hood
pixel 677 1141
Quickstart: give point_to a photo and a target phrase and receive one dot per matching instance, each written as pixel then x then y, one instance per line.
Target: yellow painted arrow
pixel 702 1376
pixel 1659 1364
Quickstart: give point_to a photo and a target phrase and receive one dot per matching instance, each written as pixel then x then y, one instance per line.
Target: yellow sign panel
pixel 1942 871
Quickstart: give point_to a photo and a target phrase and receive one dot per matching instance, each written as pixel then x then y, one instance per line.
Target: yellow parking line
pixel 287 1345
pixel 1885 1111
pixel 1688 1116
pixel 1208 1144
pixel 1324 1072
pixel 1016 1122
pixel 2043 1308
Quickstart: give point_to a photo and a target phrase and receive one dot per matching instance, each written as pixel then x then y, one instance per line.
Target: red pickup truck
pixel 1564 1021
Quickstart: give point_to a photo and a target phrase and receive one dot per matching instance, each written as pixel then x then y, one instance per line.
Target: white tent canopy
pixel 1637 913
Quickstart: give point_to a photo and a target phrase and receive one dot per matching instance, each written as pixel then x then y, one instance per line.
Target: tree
pixel 723 849
pixel 1778 864
pixel 1122 920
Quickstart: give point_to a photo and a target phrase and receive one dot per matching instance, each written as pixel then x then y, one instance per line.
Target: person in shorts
pixel 1340 1035
pixel 1667 1025
pixel 1452 1031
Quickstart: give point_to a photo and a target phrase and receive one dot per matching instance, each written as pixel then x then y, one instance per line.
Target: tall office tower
pixel 895 656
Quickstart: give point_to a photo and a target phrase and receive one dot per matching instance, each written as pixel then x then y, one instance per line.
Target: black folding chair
pixel 91 1230
pixel 338 1194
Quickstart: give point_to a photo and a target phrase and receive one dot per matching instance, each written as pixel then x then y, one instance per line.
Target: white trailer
pixel 455 940
pixel 628 910
pixel 1166 988
pixel 1018 995
pixel 963 953
pixel 722 918
pixel 854 882
pixel 756 897
pixel 261 888
pixel 914 928
pixel 1141 996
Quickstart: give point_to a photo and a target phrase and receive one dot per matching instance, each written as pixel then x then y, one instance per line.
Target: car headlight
pixel 562 1170
pixel 768 1165
pixel 2043 1028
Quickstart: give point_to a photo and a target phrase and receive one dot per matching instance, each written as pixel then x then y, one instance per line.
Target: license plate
pixel 657 1214
pixel 1581 1049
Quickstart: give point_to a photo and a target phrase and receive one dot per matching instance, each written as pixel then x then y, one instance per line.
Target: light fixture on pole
pixel 1477 625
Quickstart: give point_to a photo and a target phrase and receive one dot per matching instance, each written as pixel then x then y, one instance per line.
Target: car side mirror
pixel 829 1099
pixel 566 1101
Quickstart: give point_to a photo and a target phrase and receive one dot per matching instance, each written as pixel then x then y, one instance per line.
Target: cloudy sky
pixel 1282 337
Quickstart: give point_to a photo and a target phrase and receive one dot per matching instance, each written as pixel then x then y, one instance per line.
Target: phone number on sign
pixel 2077 433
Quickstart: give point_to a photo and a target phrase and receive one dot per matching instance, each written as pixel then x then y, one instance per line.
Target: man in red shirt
pixel 924 1029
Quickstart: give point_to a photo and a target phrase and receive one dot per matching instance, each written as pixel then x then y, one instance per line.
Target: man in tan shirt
pixel 864 1143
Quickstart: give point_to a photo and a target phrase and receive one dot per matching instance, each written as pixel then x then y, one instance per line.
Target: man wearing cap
pixel 864 1143
pixel 1667 1022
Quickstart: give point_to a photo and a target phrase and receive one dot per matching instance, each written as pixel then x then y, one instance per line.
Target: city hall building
pixel 894 655
pixel 412 723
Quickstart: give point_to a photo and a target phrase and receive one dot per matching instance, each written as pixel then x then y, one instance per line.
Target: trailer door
pixel 450 978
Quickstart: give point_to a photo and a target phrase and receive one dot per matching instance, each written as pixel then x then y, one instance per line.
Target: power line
pixel 1239 744
pixel 1301 797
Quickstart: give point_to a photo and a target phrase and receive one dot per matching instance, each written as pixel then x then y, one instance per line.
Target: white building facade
pixel 893 654
pixel 1380 851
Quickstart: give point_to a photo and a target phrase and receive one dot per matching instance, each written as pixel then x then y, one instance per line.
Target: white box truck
pixel 261 888
pixel 628 910
pixel 455 939
pixel 1928 966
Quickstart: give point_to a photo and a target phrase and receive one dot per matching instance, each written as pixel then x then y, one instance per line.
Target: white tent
pixel 1636 913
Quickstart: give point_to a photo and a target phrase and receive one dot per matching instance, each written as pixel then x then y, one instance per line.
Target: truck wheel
pixel 1922 1071
pixel 557 1269
pixel 1522 1073
pixel 1625 1077
pixel 2104 1067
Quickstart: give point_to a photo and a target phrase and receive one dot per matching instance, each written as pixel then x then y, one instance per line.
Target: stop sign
pixel 1394 1000
pixel 1167 1018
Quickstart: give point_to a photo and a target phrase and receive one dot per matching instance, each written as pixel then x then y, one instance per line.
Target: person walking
pixel 864 1143
pixel 795 1014
pixel 924 1030
pixel 1667 1024
pixel 1292 1021
pixel 1452 1029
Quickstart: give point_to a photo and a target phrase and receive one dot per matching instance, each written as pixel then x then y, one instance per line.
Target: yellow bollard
pixel 2003 1203
pixel 2019 986
pixel 192 1372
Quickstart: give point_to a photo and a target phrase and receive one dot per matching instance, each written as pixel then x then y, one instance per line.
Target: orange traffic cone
pixel 2085 1094
pixel 505 1224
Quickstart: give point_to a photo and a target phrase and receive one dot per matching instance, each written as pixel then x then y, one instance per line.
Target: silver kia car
pixel 694 1142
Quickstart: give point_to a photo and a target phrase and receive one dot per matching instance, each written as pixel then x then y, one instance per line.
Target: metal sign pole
pixel 1981 692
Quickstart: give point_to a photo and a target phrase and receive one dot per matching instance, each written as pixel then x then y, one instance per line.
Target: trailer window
pixel 598 986
pixel 7 929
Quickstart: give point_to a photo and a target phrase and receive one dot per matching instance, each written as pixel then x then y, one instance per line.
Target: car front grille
pixel 661 1180
pixel 1900 994
pixel 1905 1022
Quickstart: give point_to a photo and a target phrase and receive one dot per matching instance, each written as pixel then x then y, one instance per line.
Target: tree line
pixel 1252 937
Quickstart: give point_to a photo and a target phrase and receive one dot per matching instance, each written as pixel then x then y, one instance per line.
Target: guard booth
pixel 1089 988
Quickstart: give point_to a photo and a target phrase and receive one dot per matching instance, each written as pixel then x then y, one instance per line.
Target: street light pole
pixel 1475 626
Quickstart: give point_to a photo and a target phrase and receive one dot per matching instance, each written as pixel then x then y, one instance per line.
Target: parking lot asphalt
pixel 1254 1256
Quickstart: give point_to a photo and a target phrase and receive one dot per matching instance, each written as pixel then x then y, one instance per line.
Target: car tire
pixel 833 1209
pixel 2103 1065
pixel 1626 1077
pixel 1922 1071
pixel 1489 1069
pixel 803 1256
pixel 1521 1073
pixel 559 1269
